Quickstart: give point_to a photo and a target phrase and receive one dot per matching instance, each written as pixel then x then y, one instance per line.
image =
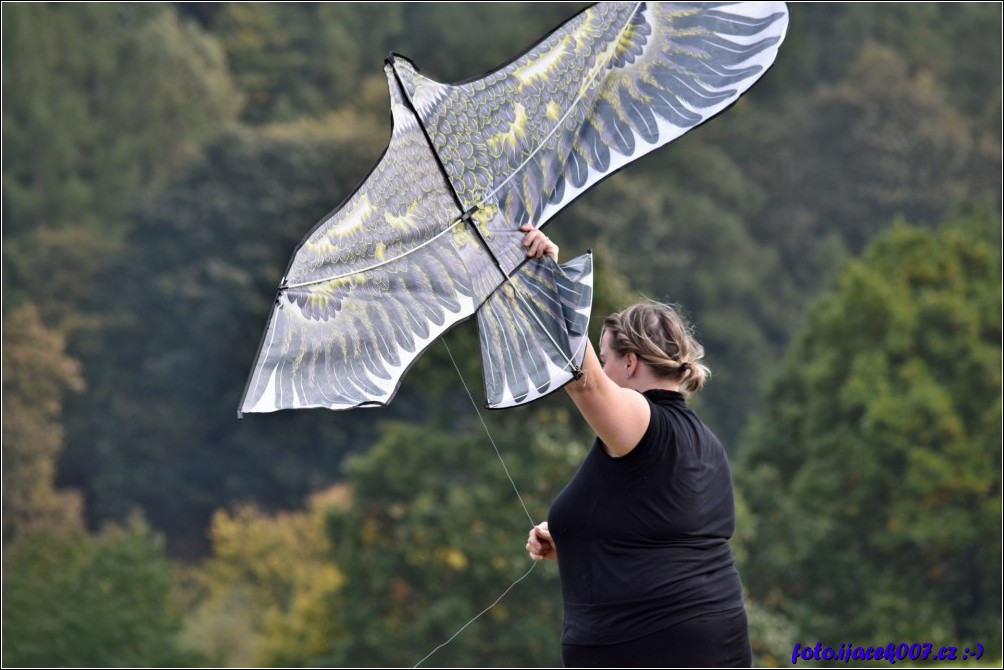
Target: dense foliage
pixel 874 477
pixel 155 183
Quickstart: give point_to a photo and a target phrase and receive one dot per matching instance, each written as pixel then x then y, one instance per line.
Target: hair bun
pixel 662 339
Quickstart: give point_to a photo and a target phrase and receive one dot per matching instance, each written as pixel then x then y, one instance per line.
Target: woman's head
pixel 661 339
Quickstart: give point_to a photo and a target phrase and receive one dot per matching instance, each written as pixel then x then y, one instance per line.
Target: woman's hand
pixel 538 244
pixel 540 546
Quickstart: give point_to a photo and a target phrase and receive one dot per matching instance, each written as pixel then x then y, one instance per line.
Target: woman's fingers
pixel 537 244
pixel 539 544
pixel 537 247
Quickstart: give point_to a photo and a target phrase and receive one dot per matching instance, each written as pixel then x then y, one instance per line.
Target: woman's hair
pixel 662 339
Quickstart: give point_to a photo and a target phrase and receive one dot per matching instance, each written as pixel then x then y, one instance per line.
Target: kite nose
pixel 396 61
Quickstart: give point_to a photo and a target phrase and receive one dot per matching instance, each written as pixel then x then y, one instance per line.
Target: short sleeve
pixel 659 433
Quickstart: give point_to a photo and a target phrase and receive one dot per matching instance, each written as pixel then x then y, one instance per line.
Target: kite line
pixel 429 241
pixel 504 593
pixel 518 496
pixel 487 432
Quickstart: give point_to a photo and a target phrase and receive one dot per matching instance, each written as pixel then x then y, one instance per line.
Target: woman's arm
pixel 619 416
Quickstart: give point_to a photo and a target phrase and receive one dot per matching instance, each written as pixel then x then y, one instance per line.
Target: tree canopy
pixel 874 476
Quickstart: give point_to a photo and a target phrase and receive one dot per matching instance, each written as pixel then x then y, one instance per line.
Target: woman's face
pixel 613 363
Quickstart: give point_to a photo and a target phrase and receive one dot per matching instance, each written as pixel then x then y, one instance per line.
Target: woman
pixel 641 531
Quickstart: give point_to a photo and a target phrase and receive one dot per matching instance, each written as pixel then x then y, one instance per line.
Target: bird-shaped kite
pixel 432 237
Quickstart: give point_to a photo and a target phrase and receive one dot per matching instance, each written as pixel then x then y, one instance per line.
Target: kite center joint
pixel 468 218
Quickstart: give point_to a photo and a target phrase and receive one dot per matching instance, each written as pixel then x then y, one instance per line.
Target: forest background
pixel 835 236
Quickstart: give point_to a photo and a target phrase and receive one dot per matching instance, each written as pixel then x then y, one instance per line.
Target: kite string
pixel 528 516
pixel 497 600
pixel 487 432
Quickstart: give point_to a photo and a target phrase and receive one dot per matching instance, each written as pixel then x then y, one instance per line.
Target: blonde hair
pixel 662 339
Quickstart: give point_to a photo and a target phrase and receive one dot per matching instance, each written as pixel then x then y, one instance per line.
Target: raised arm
pixel 619 416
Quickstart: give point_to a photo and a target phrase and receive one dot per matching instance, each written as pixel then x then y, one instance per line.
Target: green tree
pixel 89 122
pixel 192 290
pixel 434 534
pixel 954 42
pixel 870 112
pixel 851 156
pixel 73 600
pixel 439 38
pixel 874 477
pixel 302 60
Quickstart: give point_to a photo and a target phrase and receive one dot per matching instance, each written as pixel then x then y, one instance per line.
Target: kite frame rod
pixel 284 286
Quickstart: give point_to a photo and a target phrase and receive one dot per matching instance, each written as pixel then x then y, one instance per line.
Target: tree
pixel 158 428
pixel 301 60
pixel 261 594
pixel 434 534
pixel 954 43
pixel 438 37
pixel 88 123
pixel 37 374
pixel 73 600
pixel 885 142
pixel 874 477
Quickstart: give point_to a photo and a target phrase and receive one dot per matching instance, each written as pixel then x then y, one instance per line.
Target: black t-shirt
pixel 642 540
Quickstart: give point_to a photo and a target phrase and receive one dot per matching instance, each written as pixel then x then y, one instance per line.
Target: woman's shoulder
pixel 674 423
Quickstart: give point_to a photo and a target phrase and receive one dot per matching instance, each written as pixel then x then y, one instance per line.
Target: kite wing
pixel 533 330
pixel 432 235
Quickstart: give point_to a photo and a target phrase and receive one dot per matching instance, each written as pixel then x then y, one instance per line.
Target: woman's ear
pixel 631 363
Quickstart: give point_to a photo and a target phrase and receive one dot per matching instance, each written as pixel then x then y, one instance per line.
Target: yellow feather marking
pixel 601 59
pixel 483 217
pixel 509 138
pixel 543 64
pixel 332 285
pixel 380 251
pixel 354 218
pixel 318 299
pixel 462 236
pixel 553 111
pixel 405 222
pixel 626 39
pixel 351 222
pixel 588 28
